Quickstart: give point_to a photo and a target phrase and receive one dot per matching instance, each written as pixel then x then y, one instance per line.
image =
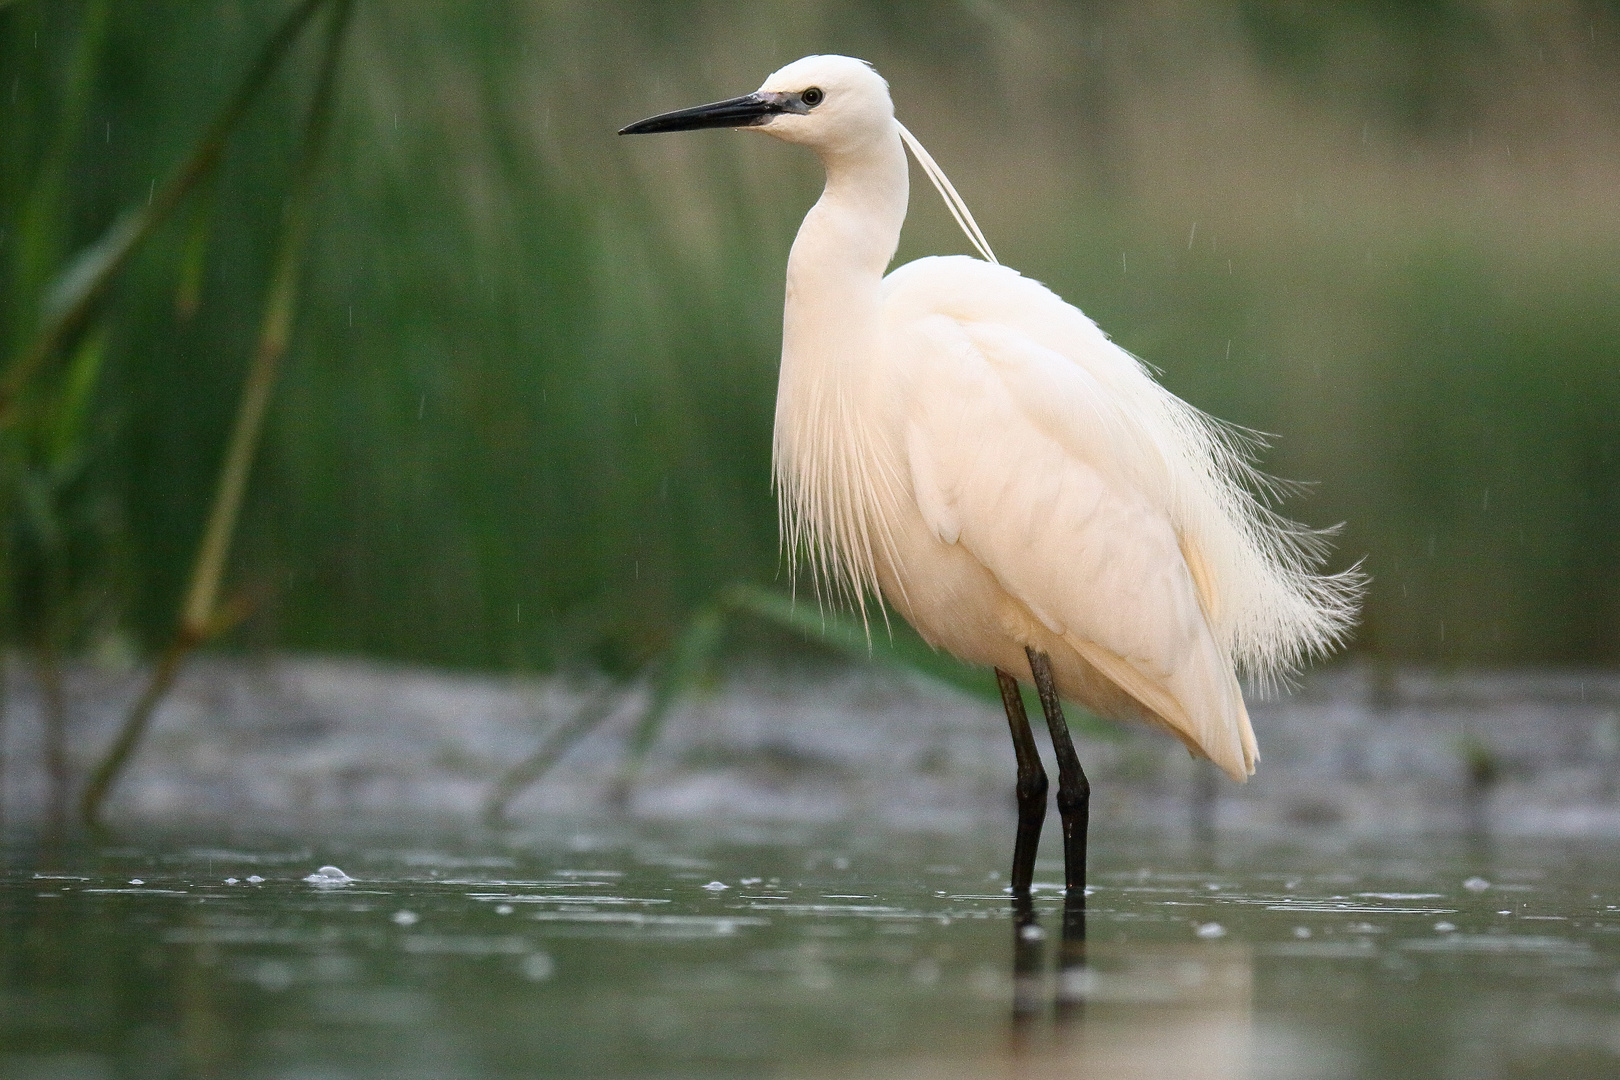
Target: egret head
pixel 828 103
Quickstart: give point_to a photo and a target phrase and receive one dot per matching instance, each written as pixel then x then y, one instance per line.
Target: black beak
pixel 750 110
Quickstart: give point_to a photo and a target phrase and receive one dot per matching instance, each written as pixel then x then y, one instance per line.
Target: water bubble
pixel 1445 927
pixel 749 881
pixel 255 879
pixel 136 881
pixel 1302 932
pixel 1476 884
pixel 717 886
pixel 328 875
pixel 537 967
pixel 230 881
pixel 406 918
pixel 1210 931
pixel 503 909
pixel 1031 932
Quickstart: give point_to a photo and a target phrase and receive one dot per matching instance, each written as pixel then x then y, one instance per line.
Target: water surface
pixel 634 951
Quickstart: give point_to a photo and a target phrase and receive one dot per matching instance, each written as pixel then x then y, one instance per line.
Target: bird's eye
pixel 812 97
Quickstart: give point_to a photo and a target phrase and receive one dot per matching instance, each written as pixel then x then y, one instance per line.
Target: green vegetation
pixel 523 418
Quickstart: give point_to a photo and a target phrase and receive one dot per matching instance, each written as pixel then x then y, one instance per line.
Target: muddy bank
pixel 309 742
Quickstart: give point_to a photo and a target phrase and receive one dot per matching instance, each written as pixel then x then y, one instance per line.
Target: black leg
pixel 1031 785
pixel 1074 790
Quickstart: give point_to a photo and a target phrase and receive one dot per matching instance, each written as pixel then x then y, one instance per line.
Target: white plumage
pixel 959 439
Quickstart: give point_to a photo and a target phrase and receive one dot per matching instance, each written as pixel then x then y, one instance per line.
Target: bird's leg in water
pixel 1074 790
pixel 1031 785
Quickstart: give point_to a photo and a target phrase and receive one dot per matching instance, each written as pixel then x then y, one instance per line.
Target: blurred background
pixel 522 420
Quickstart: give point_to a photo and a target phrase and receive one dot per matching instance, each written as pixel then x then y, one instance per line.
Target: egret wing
pixel 1024 458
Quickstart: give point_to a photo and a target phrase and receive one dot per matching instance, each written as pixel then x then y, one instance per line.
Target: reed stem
pixel 585 719
pixel 53 699
pixel 201 617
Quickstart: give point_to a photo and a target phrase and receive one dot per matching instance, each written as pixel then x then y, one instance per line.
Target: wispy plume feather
pixel 947 191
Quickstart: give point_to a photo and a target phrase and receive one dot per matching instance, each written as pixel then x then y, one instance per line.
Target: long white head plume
pixel 947 191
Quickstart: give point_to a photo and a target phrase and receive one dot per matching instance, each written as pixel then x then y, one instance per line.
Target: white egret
pixel 959 440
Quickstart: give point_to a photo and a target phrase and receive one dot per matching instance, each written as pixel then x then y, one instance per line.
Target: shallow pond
pixel 636 951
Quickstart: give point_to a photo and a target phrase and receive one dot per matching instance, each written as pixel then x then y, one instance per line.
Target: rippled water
pixel 633 952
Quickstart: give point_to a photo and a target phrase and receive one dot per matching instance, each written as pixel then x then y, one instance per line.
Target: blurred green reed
pixel 210 609
pixel 524 417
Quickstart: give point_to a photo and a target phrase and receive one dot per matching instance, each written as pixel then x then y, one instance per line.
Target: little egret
pixel 955 438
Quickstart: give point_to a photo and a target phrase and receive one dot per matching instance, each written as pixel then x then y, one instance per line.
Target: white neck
pixel 851 233
pixel 829 471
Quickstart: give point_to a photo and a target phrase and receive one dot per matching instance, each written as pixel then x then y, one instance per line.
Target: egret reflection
pixel 1030 983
